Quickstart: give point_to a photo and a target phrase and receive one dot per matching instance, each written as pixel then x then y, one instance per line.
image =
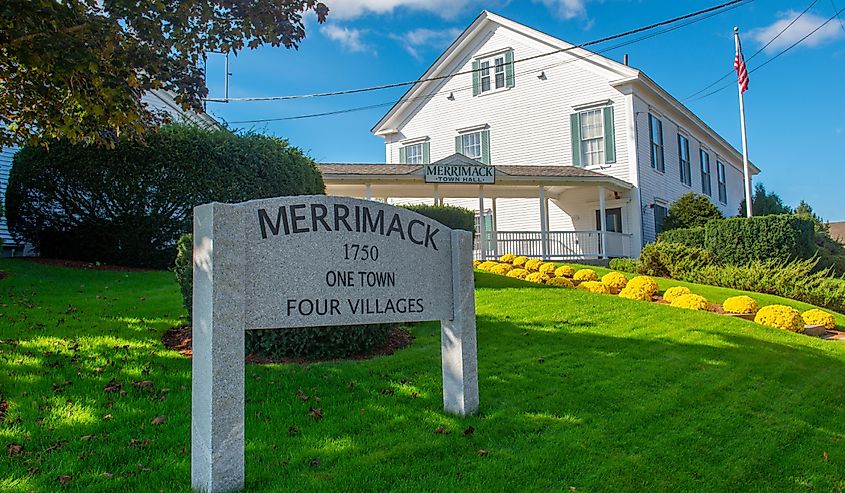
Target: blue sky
pixel 795 105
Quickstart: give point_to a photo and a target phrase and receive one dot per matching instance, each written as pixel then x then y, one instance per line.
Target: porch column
pixel 437 194
pixel 369 188
pixel 544 225
pixel 495 230
pixel 603 223
pixel 481 233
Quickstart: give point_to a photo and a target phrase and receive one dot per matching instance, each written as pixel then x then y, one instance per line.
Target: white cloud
pixel 350 39
pixel 801 28
pixel 422 38
pixel 350 9
pixel 566 9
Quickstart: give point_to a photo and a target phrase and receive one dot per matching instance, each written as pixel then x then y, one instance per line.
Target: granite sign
pixel 459 173
pixel 315 261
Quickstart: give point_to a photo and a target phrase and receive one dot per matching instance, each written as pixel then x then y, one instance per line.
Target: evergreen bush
pixel 674 260
pixel 741 240
pixel 448 215
pixel 691 211
pixel 693 237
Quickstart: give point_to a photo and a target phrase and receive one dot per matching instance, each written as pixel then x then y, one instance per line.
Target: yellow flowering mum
pixel 635 293
pixel 560 282
pixel 533 265
pixel 537 277
pixel 594 287
pixel 519 261
pixel 674 293
pixel 517 273
pixel 564 271
pixel 501 269
pixel 586 275
pixel 646 283
pixel 742 305
pixel 548 268
pixel 487 265
pixel 507 258
pixel 780 317
pixel 692 302
pixel 818 317
pixel 615 281
pixel 475 264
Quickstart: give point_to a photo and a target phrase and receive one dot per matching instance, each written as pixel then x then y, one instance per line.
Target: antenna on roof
pixel 625 59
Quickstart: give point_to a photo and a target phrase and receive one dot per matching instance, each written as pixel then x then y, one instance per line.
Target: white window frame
pixel 418 154
pixel 709 174
pixel 479 143
pixel 491 73
pixel 586 154
pixel 685 165
pixel 722 181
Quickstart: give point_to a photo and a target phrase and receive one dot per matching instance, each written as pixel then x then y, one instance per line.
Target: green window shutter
pixel 485 146
pixel 426 153
pixel 575 128
pixel 476 77
pixel 609 136
pixel 403 155
pixel 651 141
pixel 459 144
pixel 509 78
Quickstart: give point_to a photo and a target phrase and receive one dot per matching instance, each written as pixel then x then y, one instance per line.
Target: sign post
pixel 315 261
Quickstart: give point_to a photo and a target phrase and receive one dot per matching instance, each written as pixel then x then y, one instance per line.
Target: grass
pixel 577 390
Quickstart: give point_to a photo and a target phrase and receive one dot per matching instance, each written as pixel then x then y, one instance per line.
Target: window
pixel 655 131
pixel 683 159
pixel 474 143
pixel 706 186
pixel 492 73
pixel 660 213
pixel 723 184
pixel 592 137
pixel 414 154
pixel 471 145
pixel 613 220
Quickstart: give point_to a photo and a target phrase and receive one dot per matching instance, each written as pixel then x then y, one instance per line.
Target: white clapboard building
pixel 566 155
pixel 157 100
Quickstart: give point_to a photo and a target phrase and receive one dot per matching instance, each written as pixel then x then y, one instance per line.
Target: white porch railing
pixel 560 244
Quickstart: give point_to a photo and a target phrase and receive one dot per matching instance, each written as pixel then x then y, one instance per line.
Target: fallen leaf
pixel 315 462
pixel 482 452
pixel 293 430
pixel 441 430
pixel 146 384
pixel 469 431
pixel 14 449
pixel 158 420
pixel 316 413
pixel 63 479
pixel 87 438
pixel 541 360
pixel 108 475
pixel 135 443
pixel 301 395
pixel 143 468
pixel 3 408
pixel 33 470
pixel 113 386
pixel 56 446
pixel 825 456
pixel 107 417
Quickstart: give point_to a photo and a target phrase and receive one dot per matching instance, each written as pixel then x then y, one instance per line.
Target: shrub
pixel 501 269
pixel 317 342
pixel 487 265
pixel 594 287
pixel 129 205
pixel 638 293
pixel 586 275
pixel 184 270
pixel 742 305
pixel 476 263
pixel 691 302
pixel 674 293
pixel 615 281
pixel 629 265
pixel 780 317
pixel 520 261
pixel 691 211
pixel 560 282
pixel 564 271
pixel 548 268
pixel 644 283
pixel 538 278
pixel 674 260
pixel 533 265
pixel 507 258
pixel 518 274
pixel 818 317
pixel 741 240
pixel 447 215
pixel 691 237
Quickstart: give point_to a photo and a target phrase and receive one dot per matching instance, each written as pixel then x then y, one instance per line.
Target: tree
pixel 76 69
pixel 691 211
pixel 806 211
pixel 765 203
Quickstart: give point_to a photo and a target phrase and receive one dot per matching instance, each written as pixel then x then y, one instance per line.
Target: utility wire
pixel 720 79
pixel 793 45
pixel 412 82
pixel 840 18
pixel 459 89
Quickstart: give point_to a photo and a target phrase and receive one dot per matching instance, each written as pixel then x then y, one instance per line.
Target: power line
pixel 459 89
pixel 416 81
pixel 720 79
pixel 840 18
pixel 793 45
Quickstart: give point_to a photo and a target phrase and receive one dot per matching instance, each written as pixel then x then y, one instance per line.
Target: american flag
pixel 741 69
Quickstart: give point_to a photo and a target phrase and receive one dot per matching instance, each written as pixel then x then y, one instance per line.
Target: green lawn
pixel 577 390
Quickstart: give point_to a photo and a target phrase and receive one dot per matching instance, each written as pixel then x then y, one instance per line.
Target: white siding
pixel 5 167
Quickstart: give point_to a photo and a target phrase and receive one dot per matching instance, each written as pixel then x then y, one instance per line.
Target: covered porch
pixel 514 203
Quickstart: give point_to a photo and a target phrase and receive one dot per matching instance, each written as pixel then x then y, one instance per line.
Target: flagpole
pixel 745 173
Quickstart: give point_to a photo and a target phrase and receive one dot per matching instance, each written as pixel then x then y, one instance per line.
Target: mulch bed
pixel 79 264
pixel 179 339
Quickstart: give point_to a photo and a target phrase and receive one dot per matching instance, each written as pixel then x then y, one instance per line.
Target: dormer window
pixel 492 72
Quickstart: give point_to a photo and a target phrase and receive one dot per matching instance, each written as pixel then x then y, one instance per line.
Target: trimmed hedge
pixel 448 215
pixel 741 240
pixel 129 205
pixel 693 237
